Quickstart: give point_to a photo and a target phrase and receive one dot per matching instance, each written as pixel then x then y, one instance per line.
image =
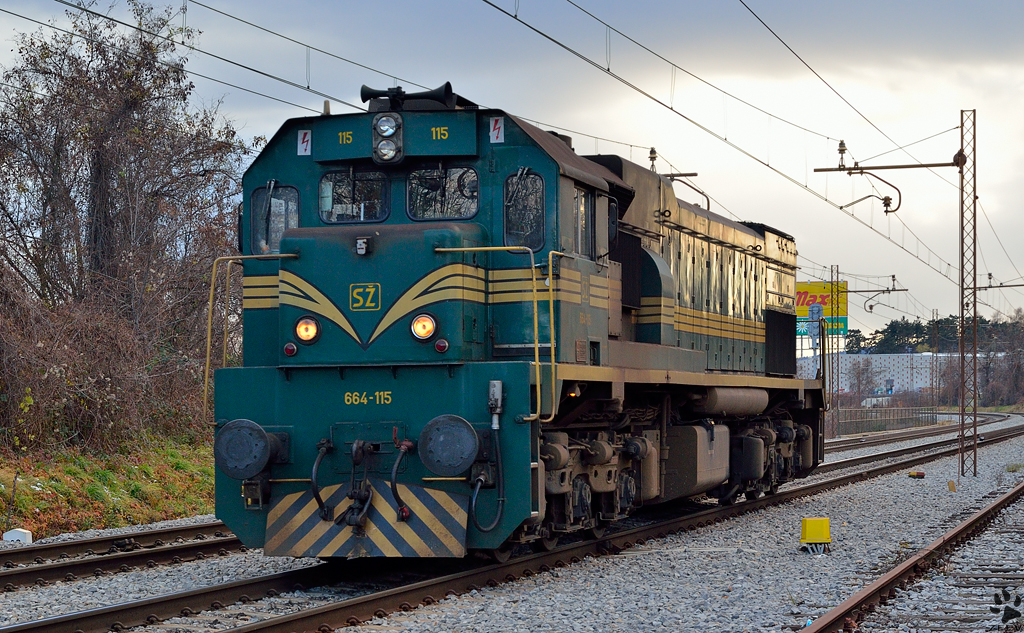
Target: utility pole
pixel 964 160
pixel 834 338
pixel 968 295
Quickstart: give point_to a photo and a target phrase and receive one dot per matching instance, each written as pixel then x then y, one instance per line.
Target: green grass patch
pixel 163 479
pixel 1014 468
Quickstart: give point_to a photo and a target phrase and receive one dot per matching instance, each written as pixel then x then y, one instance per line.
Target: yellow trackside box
pixel 815 530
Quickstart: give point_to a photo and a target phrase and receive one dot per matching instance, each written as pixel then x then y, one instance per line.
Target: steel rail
pixel 41 552
pixel 118 561
pixel 852 610
pixel 845 444
pixel 825 467
pixel 152 610
pixel 407 597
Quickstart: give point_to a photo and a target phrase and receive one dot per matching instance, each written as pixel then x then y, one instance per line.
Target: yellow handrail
pixel 209 313
pixel 551 320
pixel 536 324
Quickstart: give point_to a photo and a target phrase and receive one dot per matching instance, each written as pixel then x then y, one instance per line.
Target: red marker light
pixel 441 345
pixel 290 349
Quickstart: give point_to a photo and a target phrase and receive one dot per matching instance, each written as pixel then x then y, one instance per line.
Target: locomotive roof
pixel 573 165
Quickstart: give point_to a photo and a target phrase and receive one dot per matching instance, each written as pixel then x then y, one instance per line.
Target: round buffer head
pixel 242 449
pixel 448 445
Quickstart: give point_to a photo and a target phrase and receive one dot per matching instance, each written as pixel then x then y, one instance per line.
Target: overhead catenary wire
pixel 948 266
pixel 187 71
pixel 226 60
pixel 353 62
pixel 701 80
pixel 307 46
pixel 898 147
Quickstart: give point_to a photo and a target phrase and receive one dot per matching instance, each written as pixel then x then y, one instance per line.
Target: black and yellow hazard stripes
pixel 437 527
pixel 664 311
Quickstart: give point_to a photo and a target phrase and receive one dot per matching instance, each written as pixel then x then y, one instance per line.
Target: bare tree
pixel 117 193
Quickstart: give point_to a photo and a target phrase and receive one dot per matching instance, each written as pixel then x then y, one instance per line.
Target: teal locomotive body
pixel 461 335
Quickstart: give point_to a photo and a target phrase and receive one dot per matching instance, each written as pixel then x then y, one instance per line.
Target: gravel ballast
pixel 744 575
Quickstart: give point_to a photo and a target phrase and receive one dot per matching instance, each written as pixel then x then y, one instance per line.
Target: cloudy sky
pixel 909 68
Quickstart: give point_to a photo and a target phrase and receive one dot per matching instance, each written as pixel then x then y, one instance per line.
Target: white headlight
pixel 386 149
pixel 386 126
pixel 423 326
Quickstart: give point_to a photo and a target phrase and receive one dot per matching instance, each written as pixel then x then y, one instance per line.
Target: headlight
pixel 307 329
pixel 386 149
pixel 386 126
pixel 423 327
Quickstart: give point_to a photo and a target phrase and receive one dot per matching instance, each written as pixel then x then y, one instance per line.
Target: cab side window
pixel 524 210
pixel 273 210
pixel 583 239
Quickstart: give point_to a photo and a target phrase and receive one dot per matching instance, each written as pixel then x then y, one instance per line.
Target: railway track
pixel 407 596
pixel 941 444
pixel 976 577
pixel 889 437
pixel 68 560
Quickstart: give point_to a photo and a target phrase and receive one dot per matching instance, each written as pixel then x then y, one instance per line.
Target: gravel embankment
pixel 959 594
pixel 744 575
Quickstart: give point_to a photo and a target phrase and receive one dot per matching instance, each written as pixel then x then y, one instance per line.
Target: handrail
pixel 536 324
pixel 551 319
pixel 209 314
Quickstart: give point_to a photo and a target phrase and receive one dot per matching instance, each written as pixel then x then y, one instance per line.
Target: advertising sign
pixel 837 326
pixel 809 293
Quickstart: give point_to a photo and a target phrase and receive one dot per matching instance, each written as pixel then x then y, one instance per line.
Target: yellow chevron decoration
pixel 437 527
pixel 297 292
pixel 454 282
pixel 457 282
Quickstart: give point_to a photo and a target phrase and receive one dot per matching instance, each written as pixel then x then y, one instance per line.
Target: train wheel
pixel 502 554
pixel 546 544
pixel 597 531
pixel 772 490
pixel 752 495
pixel 727 501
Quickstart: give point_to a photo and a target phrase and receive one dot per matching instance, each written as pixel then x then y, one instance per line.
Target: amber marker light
pixel 423 327
pixel 307 329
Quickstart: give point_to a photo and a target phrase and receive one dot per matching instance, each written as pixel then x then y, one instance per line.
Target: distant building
pixel 883 374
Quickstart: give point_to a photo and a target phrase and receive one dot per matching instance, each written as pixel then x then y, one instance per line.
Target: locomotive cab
pixel 460 335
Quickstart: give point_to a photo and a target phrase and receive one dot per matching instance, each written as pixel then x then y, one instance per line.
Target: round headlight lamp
pixel 386 149
pixel 423 326
pixel 386 126
pixel 307 329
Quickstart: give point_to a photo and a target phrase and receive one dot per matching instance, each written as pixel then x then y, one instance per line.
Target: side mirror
pixel 240 207
pixel 613 222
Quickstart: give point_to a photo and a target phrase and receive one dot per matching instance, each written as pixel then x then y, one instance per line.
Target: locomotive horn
pixel 441 94
pixel 396 96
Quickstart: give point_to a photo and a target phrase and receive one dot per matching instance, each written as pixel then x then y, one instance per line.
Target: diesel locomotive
pixel 460 335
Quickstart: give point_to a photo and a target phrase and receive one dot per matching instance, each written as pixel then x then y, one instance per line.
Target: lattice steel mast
pixel 965 160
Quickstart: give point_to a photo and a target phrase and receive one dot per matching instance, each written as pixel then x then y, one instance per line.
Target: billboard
pixel 833 309
pixel 810 292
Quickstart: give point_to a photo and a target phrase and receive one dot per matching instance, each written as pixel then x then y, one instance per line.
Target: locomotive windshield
pixel 443 194
pixel 351 196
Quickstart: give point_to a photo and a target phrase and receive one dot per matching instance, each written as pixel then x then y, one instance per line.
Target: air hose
pixel 404 513
pixel 325 446
pixel 480 482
